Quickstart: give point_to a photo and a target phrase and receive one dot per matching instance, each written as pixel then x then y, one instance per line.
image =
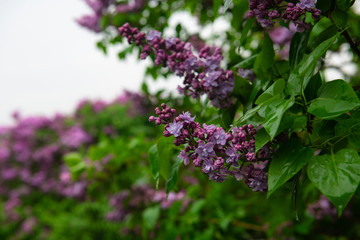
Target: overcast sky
pixel 48 63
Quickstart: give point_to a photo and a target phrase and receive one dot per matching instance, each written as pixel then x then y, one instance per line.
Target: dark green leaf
pixel 273 114
pixel 265 59
pixel 344 5
pixel 323 5
pixel 227 116
pixel 165 151
pixel 300 76
pixel 276 88
pixel 247 63
pixel 312 88
pixel 339 17
pixel 289 160
pixel 154 163
pixel 334 98
pixel 298 47
pixel 246 29
pixel 292 122
pixel 172 180
pixel 336 176
pixel 262 138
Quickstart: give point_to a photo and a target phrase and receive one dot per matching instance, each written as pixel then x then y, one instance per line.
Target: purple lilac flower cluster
pixel 30 159
pixel 91 21
pixel 141 196
pixel 202 72
pixel 30 156
pixel 219 154
pixel 266 11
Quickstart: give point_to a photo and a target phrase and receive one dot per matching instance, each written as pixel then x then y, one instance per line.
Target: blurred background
pixel 48 62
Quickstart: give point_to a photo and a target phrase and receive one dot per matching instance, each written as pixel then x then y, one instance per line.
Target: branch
pixel 351 42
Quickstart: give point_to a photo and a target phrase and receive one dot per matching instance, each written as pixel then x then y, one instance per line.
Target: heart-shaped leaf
pixel 337 176
pixel 289 160
pixel 334 98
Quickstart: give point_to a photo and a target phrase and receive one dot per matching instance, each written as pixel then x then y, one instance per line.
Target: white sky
pixel 48 63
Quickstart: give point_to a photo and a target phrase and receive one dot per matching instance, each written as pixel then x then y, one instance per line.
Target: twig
pixel 243 225
pixel 353 45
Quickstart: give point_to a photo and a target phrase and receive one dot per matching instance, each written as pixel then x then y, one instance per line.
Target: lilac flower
pixel 170 42
pixel 306 4
pixel 75 137
pixel 219 137
pixel 202 74
pixel 233 156
pixel 153 35
pixel 90 22
pixel 210 127
pixel 174 128
pixel 205 150
pixel 191 64
pixel 187 117
pixel 184 156
pixel 208 166
pixel 210 80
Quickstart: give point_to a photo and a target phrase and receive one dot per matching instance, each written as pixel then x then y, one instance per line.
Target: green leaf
pixel 291 122
pixel 297 47
pixel 227 116
pixel 265 59
pixel 300 76
pixel 246 29
pixel 312 88
pixel 154 163
pixel 227 4
pixel 150 217
pixel 165 151
pixel 172 180
pixel 247 63
pixel 273 114
pixel 262 138
pixel 336 176
pixel 323 5
pixel 340 17
pixel 276 88
pixel 216 6
pixel 334 98
pixel 75 164
pixel 354 140
pixel 248 115
pixel 289 160
pixel 344 5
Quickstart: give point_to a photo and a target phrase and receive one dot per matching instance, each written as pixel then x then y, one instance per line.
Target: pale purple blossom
pixel 174 128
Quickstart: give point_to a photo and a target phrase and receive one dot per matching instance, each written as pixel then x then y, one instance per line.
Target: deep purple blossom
pixel 201 72
pixel 218 153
